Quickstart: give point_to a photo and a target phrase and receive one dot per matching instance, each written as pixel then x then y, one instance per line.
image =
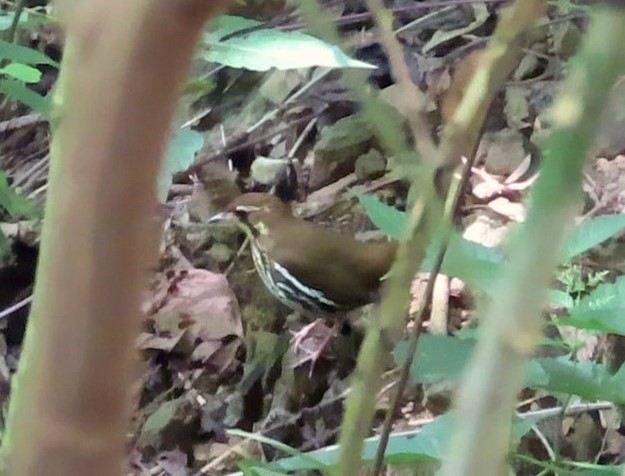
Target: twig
pixel 15 307
pixel 302 137
pixel 414 97
pixel 19 8
pixel 454 199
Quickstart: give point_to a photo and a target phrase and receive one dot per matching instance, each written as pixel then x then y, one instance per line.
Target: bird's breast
pixel 288 289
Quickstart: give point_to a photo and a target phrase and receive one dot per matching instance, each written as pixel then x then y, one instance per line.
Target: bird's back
pixel 344 269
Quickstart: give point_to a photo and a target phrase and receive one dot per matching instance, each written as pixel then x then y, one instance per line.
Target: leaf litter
pixel 214 345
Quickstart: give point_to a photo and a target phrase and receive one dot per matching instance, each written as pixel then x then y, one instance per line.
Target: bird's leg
pixel 320 336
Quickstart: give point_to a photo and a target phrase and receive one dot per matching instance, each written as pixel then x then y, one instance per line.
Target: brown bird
pixel 309 268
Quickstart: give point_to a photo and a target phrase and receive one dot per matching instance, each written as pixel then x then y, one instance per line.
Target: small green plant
pixel 13 206
pixel 577 283
pixel 19 70
pixel 20 66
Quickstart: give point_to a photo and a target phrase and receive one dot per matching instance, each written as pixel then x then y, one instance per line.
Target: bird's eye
pixel 243 211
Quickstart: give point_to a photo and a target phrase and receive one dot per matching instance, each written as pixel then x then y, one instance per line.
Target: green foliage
pixel 591 304
pixel 601 310
pixel 576 283
pixel 586 379
pixel 439 358
pixel 179 156
pixel 22 54
pixel 6 19
pixel 12 203
pixel 17 91
pixel 5 248
pixel 21 70
pixel 259 49
pixel 591 233
pixel 388 219
pixel 12 206
pixel 479 265
pixel 423 447
pixel 442 358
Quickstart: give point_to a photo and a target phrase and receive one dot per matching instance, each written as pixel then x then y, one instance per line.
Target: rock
pixel 264 170
pixel 438 397
pixel 173 425
pixel 611 141
pixel 338 149
pixel 370 165
pixel 502 151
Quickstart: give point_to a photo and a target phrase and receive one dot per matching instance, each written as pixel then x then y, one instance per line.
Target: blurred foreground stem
pixel 511 327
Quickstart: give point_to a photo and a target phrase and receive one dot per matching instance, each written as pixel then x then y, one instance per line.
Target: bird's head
pixel 253 212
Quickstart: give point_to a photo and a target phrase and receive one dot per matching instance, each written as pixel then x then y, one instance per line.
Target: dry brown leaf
pixel 514 211
pixel 190 307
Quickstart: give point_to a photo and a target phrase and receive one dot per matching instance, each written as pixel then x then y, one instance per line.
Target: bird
pixel 311 269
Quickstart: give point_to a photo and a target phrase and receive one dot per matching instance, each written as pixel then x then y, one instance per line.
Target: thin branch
pixel 416 100
pixel 511 326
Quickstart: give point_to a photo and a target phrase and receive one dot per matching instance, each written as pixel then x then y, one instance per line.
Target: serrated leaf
pixel 262 49
pixel 602 310
pixel 22 72
pixel 591 233
pixel 388 219
pixel 586 379
pixel 439 358
pixel 22 54
pixel 18 92
pixel 179 156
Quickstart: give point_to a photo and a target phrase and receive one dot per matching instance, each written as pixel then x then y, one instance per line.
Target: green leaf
pixel 22 54
pixel 13 203
pixel 591 233
pixel 180 155
pixel 589 469
pixel 388 219
pixel 477 265
pixel 259 471
pixel 22 72
pixel 426 445
pixel 6 19
pixel 251 467
pixel 439 358
pixel 586 379
pixel 226 25
pixel 262 49
pixel 443 358
pixel 306 458
pixel 561 298
pixel 18 92
pixel 5 249
pixel 601 310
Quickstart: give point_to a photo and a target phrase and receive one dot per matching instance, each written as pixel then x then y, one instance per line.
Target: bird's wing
pixel 321 260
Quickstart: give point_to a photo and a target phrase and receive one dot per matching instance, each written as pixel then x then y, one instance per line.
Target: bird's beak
pixel 221 217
